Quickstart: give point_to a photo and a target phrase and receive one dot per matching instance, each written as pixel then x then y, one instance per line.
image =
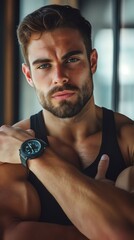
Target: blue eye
pixel 72 60
pixel 44 65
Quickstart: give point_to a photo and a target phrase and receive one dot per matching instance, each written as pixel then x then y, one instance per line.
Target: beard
pixel 66 108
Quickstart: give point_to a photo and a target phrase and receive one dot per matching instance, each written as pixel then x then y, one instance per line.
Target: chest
pixel 82 152
pixel 89 149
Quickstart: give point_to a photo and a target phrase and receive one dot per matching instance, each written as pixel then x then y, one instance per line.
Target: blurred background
pixel 113 37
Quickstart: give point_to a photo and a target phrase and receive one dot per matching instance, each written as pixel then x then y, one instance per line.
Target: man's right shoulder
pixel 24 124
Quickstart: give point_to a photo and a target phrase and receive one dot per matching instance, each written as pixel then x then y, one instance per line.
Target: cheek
pixel 41 88
pixel 84 69
pixel 81 75
pixel 41 94
pixel 40 81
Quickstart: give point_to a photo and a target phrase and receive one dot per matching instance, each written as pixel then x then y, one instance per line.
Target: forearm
pixel 98 210
pixel 42 231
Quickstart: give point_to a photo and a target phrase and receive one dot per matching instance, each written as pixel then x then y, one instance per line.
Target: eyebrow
pixel 71 53
pixel 41 60
pixel 67 55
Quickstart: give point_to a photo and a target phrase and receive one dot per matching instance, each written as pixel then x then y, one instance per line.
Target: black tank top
pixel 50 210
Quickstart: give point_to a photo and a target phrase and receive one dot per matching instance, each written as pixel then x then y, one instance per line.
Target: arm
pixel 35 231
pixel 101 211
pixel 98 205
pixel 20 210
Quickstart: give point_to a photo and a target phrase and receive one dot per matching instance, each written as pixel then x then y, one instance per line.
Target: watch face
pixel 31 147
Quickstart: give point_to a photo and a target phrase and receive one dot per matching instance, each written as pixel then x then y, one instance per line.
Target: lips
pixel 63 94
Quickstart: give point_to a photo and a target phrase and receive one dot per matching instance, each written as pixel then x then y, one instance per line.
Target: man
pixel 59 64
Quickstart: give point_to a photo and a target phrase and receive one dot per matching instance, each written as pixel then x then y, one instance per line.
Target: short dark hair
pixel 51 17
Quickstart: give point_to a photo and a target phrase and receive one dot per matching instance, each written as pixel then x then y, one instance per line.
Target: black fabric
pixel 38 125
pixel 50 210
pixel 109 146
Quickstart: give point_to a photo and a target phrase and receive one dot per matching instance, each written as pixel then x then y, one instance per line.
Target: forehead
pixel 58 41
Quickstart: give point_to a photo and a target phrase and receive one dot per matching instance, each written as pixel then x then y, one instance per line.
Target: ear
pixel 27 73
pixel 93 60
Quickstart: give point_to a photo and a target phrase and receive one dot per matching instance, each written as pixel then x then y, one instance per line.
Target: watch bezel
pixel 24 156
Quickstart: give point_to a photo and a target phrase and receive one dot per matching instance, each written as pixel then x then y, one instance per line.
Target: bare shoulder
pixel 24 124
pixel 125 134
pixel 124 126
pixel 122 120
pixel 18 199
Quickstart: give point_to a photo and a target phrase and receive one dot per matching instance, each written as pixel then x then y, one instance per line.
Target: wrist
pixel 31 149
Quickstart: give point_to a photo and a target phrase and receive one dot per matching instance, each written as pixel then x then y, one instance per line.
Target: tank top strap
pixel 108 117
pixel 109 146
pixel 51 212
pixel 38 125
pixel 109 133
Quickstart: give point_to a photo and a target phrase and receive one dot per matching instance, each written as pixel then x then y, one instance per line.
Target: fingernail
pixel 105 157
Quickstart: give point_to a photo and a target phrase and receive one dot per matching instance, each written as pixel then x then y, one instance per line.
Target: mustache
pixel 62 88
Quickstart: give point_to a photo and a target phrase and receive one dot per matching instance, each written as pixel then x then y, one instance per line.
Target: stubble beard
pixel 66 108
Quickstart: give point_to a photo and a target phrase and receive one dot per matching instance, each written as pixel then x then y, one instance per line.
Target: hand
pixel 11 139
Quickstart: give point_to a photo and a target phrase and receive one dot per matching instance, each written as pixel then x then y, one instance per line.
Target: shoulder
pixel 24 124
pixel 122 120
pixel 125 134
pixel 124 125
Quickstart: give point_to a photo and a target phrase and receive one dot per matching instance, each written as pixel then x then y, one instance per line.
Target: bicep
pixel 18 201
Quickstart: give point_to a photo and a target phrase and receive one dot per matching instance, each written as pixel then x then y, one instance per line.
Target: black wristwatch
pixel 30 149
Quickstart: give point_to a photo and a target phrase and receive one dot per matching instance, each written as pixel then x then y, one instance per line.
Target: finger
pixel 15 132
pixel 102 167
pixel 3 127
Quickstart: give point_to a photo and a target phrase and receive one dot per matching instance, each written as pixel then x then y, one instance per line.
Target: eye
pixel 44 65
pixel 72 60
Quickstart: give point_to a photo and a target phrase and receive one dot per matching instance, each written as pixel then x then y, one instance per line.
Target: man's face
pixel 60 71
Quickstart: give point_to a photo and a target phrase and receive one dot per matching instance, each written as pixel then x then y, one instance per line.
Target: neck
pixel 76 128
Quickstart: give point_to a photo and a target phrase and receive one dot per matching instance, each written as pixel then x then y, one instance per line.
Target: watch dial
pixel 32 147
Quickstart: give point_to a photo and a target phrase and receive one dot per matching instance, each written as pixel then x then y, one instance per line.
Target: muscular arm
pixel 100 211
pixel 35 231
pixel 20 210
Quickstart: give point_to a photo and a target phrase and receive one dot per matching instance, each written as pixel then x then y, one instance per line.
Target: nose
pixel 60 76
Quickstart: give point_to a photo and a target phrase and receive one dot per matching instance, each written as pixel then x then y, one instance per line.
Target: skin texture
pixel 58 69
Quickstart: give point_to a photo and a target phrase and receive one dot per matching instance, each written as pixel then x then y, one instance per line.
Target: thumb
pixel 102 167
